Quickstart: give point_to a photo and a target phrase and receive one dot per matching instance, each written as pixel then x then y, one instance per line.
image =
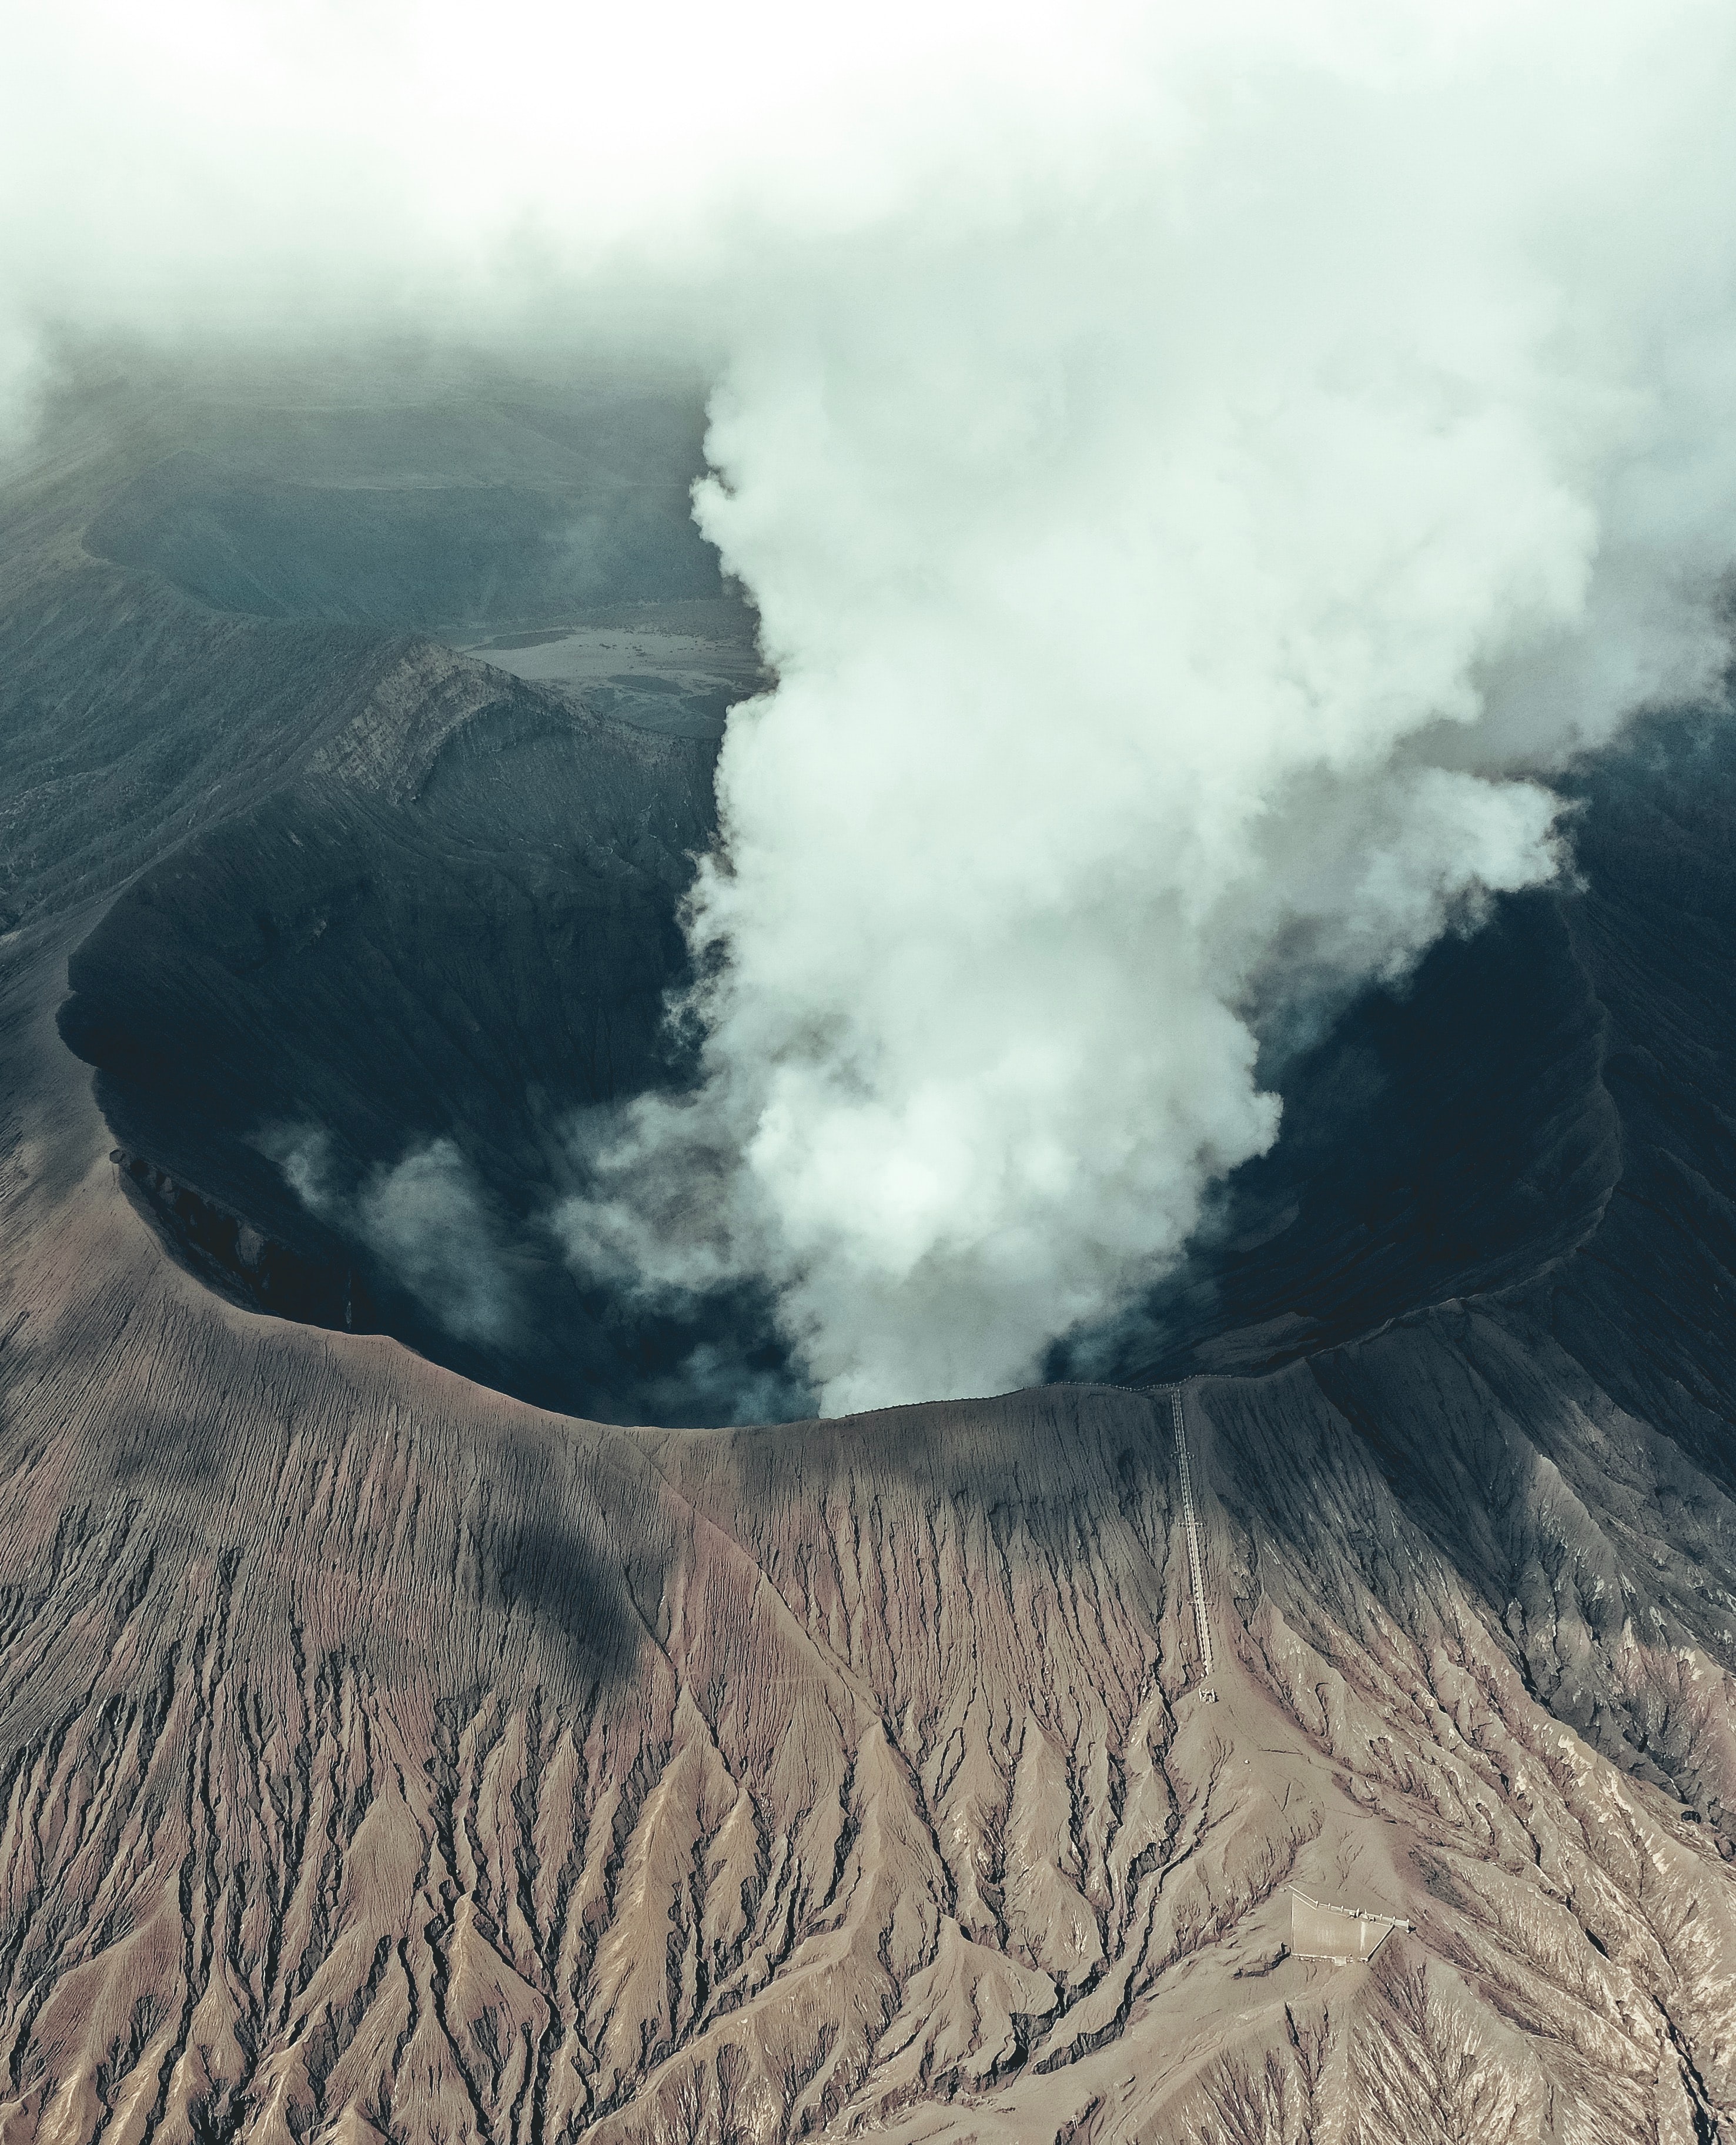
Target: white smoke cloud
pixel 424 1217
pixel 1197 470
pixel 1167 561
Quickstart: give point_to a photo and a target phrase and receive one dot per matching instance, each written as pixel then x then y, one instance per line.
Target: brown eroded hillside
pixel 384 1758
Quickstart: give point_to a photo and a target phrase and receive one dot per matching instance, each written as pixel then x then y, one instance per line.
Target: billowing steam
pixel 423 1217
pixel 1198 470
pixel 1164 558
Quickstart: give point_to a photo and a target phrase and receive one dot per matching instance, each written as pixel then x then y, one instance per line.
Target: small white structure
pixel 1346 1935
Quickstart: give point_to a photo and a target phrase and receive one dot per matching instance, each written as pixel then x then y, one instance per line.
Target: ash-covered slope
pixel 382 1756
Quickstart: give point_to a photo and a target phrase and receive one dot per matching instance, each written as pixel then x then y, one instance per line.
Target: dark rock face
pixel 317 1285
pixel 1450 1138
pixel 387 1756
pixel 1555 1076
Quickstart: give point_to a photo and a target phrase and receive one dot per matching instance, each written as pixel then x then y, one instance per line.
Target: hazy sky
pixel 1198 469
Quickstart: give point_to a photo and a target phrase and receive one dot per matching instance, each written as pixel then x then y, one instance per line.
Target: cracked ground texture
pixel 384 1758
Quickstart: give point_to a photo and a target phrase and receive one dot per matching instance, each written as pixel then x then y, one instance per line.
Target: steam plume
pixel 1166 560
pixel 423 1219
pixel 1197 478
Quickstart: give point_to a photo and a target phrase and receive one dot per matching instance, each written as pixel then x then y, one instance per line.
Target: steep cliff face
pixel 387 1756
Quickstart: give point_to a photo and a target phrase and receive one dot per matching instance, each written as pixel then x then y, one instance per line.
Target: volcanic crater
pixel 400 1739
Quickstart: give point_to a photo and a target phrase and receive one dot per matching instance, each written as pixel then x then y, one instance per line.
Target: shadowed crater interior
pixel 343 1031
